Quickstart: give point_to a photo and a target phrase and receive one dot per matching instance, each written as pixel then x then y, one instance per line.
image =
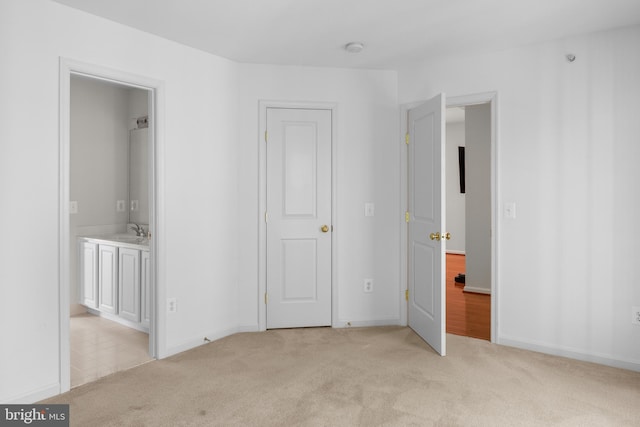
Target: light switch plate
pixel 73 207
pixel 134 206
pixel 369 209
pixel 510 210
pixel 120 205
pixel 172 305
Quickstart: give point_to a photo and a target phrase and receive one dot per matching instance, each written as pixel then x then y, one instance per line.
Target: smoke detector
pixel 354 47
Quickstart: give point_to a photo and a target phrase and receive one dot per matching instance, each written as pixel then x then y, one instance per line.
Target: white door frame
pixel 262 203
pixel 456 101
pixel 70 67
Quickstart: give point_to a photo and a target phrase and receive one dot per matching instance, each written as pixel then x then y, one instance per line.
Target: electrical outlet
pixel 635 315
pixel 368 285
pixel 172 305
pixel 120 206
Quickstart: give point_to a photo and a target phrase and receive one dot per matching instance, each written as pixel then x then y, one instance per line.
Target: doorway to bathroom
pixel 107 227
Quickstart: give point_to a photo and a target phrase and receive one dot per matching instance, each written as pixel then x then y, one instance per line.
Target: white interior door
pixel 298 218
pixel 426 311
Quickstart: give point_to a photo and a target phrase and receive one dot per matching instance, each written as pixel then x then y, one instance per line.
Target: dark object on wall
pixel 459 278
pixel 461 168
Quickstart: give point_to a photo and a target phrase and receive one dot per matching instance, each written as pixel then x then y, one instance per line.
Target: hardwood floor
pixel 468 314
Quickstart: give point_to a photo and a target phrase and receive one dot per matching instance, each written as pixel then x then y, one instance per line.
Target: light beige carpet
pixel 358 377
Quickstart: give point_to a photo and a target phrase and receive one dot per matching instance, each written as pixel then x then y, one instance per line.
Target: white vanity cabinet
pixel 114 278
pixel 108 278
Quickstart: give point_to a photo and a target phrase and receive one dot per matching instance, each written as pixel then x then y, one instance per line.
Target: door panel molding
pixel 263 105
pixel 291 251
pixel 422 300
pixel 294 174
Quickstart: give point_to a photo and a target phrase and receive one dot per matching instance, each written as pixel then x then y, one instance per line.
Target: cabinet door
pixel 108 278
pixel 88 274
pixel 145 284
pixel 129 284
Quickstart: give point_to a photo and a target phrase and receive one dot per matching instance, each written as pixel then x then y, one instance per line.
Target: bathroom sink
pixel 128 238
pixel 124 238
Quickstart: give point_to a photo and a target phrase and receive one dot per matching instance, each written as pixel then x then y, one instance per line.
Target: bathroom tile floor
pixel 100 347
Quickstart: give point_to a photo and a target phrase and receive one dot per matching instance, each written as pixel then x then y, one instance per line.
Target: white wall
pixel 478 198
pixel 568 154
pixel 455 199
pixel 197 197
pixel 367 171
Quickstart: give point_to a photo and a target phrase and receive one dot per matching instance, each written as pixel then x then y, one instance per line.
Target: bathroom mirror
pixel 139 175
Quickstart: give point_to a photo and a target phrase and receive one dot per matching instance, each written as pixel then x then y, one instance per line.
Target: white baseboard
pixel 341 324
pixel 35 395
pixel 477 290
pixel 607 360
pixel 392 321
pixel 196 342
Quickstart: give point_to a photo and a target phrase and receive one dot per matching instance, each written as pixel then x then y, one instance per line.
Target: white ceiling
pixel 313 32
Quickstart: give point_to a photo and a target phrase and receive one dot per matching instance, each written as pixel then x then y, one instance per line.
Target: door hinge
pixel 265 136
pixel 406 216
pixel 266 298
pixel 406 138
pixel 406 295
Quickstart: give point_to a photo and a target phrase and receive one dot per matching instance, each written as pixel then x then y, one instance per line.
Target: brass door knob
pixel 446 236
pixel 434 236
pixel 324 228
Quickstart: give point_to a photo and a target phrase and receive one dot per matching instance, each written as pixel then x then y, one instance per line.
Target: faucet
pixel 140 232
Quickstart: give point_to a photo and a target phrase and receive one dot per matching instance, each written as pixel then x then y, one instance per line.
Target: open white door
pixel 427 292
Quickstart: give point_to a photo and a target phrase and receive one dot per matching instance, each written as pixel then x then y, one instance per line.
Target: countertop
pixel 121 240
